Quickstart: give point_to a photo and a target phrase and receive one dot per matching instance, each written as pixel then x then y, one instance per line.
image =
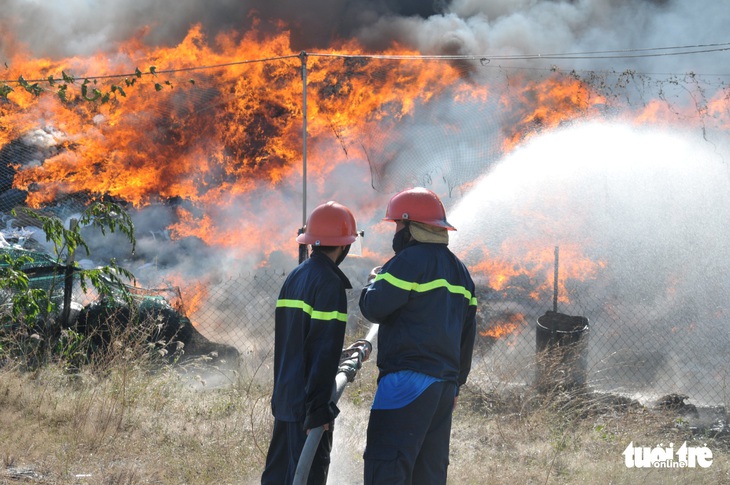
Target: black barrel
pixel 561 352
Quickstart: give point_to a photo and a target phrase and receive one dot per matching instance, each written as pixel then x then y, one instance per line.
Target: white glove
pixel 373 273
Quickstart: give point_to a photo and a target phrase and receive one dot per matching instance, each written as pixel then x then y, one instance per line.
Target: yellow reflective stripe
pixel 319 315
pixel 423 287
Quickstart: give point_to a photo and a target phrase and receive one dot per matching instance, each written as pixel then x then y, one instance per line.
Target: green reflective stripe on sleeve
pixel 397 282
pixel 333 315
pixel 294 304
pixel 319 315
pixel 423 287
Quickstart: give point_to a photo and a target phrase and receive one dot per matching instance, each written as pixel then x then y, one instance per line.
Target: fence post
pixel 555 280
pixel 68 280
pixel 303 254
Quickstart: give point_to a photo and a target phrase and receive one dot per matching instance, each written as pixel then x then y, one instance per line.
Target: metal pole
pixel 303 247
pixel 555 281
pixel 315 435
pixel 68 281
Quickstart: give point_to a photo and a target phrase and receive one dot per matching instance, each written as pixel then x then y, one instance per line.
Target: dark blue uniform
pixel 424 300
pixel 311 314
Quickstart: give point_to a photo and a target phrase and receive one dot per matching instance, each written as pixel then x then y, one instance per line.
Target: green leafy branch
pixel 27 301
pixel 88 90
pixel 30 304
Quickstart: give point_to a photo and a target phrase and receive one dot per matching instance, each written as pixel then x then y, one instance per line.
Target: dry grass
pixel 131 425
pixel 524 437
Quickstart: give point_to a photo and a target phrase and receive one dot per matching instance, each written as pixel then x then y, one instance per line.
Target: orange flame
pixel 192 294
pixel 535 271
pixel 547 104
pixel 513 325
pixel 212 137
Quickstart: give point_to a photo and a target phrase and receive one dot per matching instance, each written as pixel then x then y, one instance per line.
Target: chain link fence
pixel 640 352
pixel 210 162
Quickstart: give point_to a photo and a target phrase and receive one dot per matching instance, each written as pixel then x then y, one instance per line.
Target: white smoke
pixel 474 27
pixel 652 205
pixel 83 27
pixel 478 27
pixel 486 27
pixel 490 28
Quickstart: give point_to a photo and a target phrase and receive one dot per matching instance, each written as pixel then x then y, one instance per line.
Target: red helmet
pixel 420 205
pixel 330 224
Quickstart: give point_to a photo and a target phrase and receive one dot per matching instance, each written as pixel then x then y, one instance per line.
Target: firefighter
pixel 310 318
pixel 424 300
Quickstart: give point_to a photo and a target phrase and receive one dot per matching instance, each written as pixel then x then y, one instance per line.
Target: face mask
pixel 401 239
pixel 342 256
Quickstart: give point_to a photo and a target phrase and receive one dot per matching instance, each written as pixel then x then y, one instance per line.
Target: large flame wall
pixel 203 142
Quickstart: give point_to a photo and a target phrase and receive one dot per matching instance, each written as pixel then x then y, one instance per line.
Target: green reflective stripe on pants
pixel 319 315
pixel 423 287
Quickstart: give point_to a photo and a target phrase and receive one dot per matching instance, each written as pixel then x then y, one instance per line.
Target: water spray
pixel 350 362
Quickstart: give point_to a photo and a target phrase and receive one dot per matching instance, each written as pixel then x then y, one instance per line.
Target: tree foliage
pixel 37 310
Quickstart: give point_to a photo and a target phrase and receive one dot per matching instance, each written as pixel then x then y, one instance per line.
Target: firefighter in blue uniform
pixel 424 300
pixel 310 318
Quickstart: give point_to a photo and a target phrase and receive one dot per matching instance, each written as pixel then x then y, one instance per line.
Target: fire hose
pixel 350 362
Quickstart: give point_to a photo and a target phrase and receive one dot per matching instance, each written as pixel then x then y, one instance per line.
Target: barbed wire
pixel 483 58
